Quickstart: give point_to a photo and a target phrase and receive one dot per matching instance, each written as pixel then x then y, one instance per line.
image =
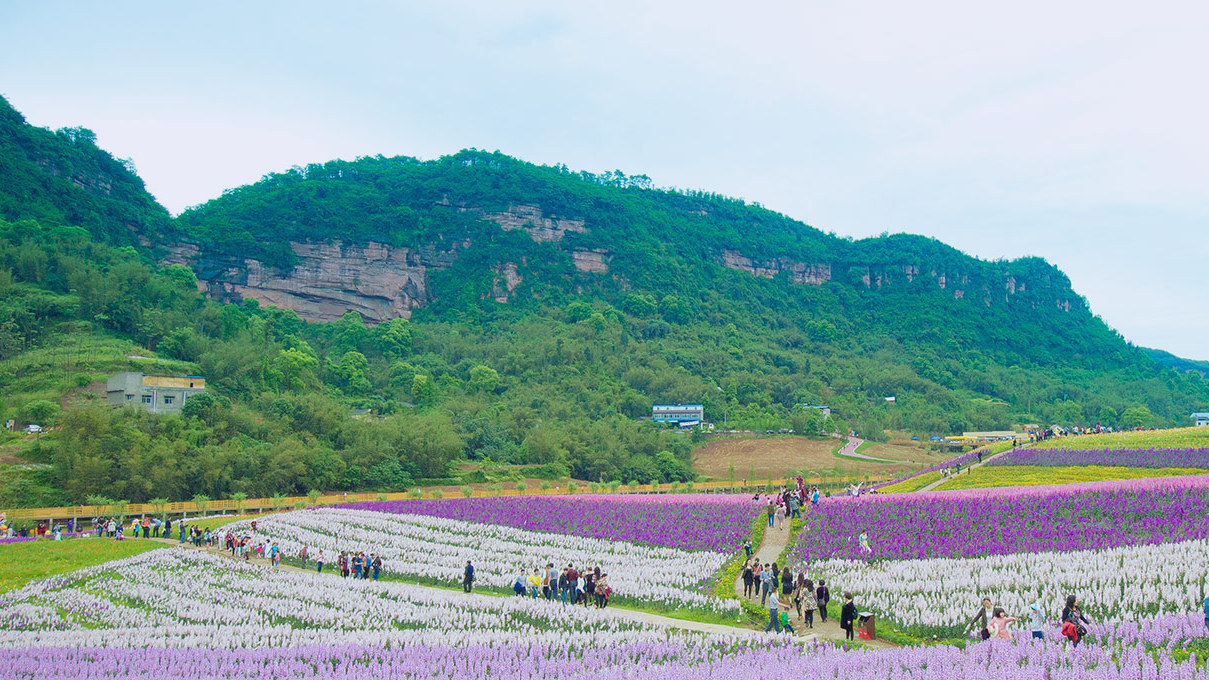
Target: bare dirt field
pixel 773 457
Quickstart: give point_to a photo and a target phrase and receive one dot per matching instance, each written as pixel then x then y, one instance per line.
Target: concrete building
pixel 684 415
pixel 825 411
pixel 155 393
pixel 1201 419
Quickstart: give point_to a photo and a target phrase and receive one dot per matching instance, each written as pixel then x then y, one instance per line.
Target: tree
pixel 423 390
pixel 484 378
pixel 430 443
pixel 160 505
pixel 40 412
pixel 278 501
pixel 202 502
pixel 393 337
pixel 1136 416
pixel 313 496
pixel 204 406
pixel 239 497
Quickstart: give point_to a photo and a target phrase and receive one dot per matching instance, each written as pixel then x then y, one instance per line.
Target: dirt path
pixel 619 612
pixel 942 480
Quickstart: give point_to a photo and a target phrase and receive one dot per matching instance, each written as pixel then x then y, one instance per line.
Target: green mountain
pixel 371 323
pixel 1169 360
pixel 63 178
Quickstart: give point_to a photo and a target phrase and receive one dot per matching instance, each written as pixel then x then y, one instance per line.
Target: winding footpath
pixel 942 480
pixel 768 552
pixel 849 451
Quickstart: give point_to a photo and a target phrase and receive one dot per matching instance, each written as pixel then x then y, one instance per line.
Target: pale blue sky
pixel 1075 131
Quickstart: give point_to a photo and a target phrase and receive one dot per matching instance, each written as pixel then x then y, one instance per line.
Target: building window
pixel 169 400
pixel 129 397
pixel 146 398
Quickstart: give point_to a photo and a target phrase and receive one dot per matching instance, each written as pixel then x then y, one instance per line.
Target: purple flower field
pixel 963 460
pixel 1009 520
pixel 718 523
pixel 1137 458
pixel 1014 660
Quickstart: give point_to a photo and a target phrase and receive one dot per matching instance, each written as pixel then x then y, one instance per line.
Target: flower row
pixel 552 660
pixel 437 548
pixel 718 523
pixel 183 598
pixel 1003 521
pixel 1128 585
pixel 1139 458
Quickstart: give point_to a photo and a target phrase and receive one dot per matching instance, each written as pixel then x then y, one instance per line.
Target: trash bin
pixel 866 626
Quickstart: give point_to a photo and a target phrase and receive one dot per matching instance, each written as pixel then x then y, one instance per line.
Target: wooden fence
pixel 257 505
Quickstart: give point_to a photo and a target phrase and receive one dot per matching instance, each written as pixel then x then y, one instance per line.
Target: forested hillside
pixel 548 311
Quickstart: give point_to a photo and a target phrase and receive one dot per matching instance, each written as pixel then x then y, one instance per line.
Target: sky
pixel 1074 131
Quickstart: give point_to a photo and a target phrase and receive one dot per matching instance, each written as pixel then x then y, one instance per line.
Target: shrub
pixel 437 493
pixel 495 488
pixel 544 485
pixel 467 492
pixel 572 487
pixel 633 485
pixel 415 493
pixel 521 486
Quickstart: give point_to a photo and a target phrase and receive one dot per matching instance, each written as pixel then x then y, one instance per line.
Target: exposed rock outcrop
pixel 593 261
pixel 328 280
pixel 811 274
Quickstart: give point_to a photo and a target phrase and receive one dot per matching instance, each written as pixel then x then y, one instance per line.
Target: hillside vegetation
pixel 561 376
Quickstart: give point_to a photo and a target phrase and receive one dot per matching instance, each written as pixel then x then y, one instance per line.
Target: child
pixel 999 625
pixel 785 622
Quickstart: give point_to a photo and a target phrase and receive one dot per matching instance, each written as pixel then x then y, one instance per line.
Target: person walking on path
pixel 1000 625
pixel 765 584
pixel 786 584
pixel 809 602
pixel 848 616
pixel 774 621
pixel 771 509
pixel 982 619
pixel 1036 620
pixel 747 548
pixel 319 562
pixel 785 623
pixel 468 577
pixel 748 578
pixel 823 596
pixel 781 512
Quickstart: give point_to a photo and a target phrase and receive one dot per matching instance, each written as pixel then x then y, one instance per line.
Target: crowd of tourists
pixel 358 565
pixel 587 587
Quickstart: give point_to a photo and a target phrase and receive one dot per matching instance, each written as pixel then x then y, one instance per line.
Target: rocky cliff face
pixel 328 280
pixel 877 276
pixel 381 282
pixel 374 279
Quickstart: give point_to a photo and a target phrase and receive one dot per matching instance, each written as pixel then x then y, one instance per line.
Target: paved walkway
pixel 942 480
pixel 849 450
pixel 769 551
pixel 619 612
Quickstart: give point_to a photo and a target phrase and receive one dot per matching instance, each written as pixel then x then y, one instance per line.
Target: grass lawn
pixel 21 563
pixel 1031 475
